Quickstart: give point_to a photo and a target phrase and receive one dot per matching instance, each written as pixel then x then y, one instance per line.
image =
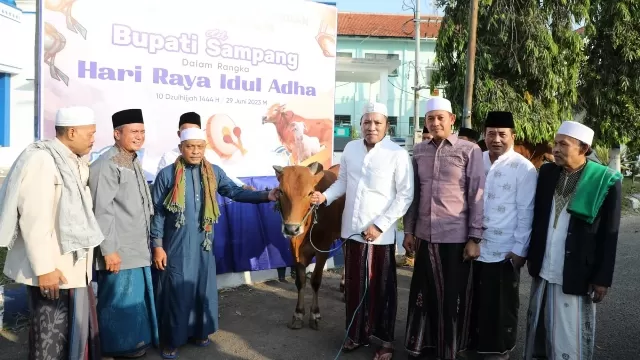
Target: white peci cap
pixel 75 116
pixel 577 131
pixel 439 103
pixel 192 134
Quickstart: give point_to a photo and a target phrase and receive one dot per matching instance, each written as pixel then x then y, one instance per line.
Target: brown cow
pixel 537 154
pixel 309 228
pixel 320 128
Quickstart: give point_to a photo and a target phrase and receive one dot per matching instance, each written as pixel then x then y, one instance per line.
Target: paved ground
pixel 253 319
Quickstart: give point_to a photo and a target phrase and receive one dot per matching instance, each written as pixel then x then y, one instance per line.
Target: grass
pixel 3 279
pixel 629 188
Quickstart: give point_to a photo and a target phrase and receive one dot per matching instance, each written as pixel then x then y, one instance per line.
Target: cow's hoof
pixel 314 321
pixel 296 323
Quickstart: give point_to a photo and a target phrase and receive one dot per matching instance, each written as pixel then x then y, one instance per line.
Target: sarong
pixel 63 329
pixel 126 312
pixel 375 321
pixel 559 326
pixel 439 301
pixel 495 303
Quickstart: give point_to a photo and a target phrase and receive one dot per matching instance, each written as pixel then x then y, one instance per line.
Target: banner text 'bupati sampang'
pixel 215 46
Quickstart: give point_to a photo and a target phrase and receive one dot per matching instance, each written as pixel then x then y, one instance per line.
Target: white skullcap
pixel 75 116
pixel 439 103
pixel 192 134
pixel 374 107
pixel 577 131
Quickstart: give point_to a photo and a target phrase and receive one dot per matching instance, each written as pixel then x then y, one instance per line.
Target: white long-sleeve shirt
pixel 509 192
pixel 170 157
pixel 378 185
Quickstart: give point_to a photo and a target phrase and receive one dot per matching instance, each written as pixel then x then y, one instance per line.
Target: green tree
pixel 528 58
pixel 610 79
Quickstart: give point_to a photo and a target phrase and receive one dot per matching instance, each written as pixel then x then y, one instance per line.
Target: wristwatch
pixel 475 239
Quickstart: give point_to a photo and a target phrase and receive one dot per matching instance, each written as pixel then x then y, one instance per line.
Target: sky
pixel 385 6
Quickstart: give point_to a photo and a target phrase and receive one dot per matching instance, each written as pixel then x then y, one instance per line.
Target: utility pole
pixel 471 63
pixel 416 81
pixel 37 131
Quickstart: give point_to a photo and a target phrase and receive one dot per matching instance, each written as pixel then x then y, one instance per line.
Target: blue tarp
pixel 248 237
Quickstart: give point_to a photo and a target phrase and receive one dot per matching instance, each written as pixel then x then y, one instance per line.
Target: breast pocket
pixel 452 166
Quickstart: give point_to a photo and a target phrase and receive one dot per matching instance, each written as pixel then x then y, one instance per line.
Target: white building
pixel 17 74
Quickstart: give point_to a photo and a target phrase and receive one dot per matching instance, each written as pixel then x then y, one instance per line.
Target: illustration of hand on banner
pixel 326 40
pixel 64 7
pixel 54 42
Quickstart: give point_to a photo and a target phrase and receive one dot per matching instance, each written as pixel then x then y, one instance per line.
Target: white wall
pixel 22 92
pixel 351 97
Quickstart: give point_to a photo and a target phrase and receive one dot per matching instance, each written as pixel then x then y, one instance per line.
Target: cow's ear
pixel 278 169
pixel 315 167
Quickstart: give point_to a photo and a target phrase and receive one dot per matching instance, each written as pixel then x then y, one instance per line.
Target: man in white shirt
pixel 190 120
pixel 510 187
pixel 572 253
pixel 377 177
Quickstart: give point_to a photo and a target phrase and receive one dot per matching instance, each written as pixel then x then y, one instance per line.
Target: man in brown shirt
pixel 444 227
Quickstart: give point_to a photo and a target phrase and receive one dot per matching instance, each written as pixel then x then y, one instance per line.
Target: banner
pixel 261 74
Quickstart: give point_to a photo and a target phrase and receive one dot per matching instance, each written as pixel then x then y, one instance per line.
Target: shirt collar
pixel 131 155
pixel 452 139
pixel 376 145
pixel 507 154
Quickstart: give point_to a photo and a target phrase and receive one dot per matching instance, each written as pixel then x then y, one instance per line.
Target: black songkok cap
pixel 470 133
pixel 129 116
pixel 190 118
pixel 499 119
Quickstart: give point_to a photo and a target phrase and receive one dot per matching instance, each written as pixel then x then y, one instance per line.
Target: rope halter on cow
pixel 313 210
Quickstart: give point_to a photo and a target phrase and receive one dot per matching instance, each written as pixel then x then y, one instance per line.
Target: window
pixel 393 125
pixel 342 120
pixel 420 123
pixel 344 54
pixel 371 56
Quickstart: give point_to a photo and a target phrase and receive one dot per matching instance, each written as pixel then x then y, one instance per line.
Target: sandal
pixel 135 355
pixel 383 354
pixel 203 343
pixel 350 346
pixel 169 353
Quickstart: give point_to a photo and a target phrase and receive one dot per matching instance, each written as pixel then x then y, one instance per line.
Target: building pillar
pixel 5 109
pixel 372 94
pixel 384 87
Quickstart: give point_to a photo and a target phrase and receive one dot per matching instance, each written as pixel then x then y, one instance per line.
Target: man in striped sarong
pixel 377 179
pixel 444 227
